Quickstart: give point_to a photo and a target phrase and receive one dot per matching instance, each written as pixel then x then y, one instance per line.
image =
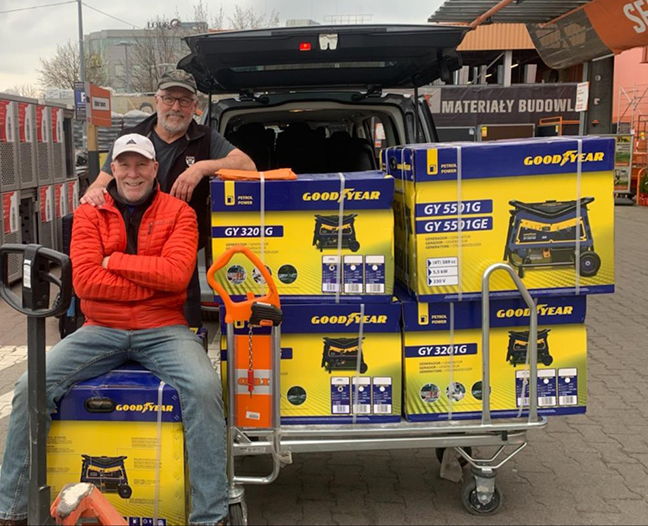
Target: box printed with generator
pixel 545 206
pixel 339 363
pixel 106 433
pixel 322 236
pixel 443 364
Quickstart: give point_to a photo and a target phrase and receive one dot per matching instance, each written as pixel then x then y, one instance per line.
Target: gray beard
pixel 180 128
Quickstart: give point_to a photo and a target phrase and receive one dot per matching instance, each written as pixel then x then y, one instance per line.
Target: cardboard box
pixel 301 220
pixel 337 364
pixel 462 207
pixel 442 349
pixel 106 432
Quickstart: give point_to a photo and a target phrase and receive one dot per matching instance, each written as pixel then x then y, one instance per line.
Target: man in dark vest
pixel 188 154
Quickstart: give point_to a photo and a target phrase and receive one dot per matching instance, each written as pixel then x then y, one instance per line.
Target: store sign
pixel 99 106
pixel 46 198
pixel 476 105
pixel 60 199
pixel 597 29
pixel 7 121
pixel 72 195
pixel 10 215
pixel 25 122
pixel 57 124
pixel 622 162
pixel 79 101
pixel 42 124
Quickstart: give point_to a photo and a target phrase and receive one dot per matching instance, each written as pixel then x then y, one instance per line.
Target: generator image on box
pixel 329 229
pixel 549 234
pixel 340 363
pixel 518 345
pixel 122 431
pixel 443 362
pixel 342 354
pixel 544 206
pixel 107 473
pixel 323 237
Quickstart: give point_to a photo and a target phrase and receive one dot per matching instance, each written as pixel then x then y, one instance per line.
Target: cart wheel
pixel 363 368
pixel 462 461
pixel 590 263
pixel 471 502
pixel 237 515
pixel 354 246
pixel 124 491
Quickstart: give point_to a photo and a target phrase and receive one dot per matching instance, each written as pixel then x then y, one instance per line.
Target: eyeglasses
pixel 184 102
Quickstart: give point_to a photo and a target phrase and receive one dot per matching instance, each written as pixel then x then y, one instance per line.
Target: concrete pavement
pixel 583 469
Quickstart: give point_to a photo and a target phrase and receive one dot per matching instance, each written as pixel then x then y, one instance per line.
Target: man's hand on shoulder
pixel 94 196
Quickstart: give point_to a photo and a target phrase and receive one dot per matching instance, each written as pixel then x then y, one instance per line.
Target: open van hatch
pixel 380 56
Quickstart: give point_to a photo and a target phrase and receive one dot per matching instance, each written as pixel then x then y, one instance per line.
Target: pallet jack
pixel 75 501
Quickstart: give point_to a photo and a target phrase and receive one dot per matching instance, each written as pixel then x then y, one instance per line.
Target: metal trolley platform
pixel 479 495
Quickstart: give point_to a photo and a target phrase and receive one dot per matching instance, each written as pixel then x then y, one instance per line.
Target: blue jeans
pixel 177 357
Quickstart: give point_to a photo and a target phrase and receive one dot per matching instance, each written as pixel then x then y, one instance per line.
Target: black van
pixel 322 98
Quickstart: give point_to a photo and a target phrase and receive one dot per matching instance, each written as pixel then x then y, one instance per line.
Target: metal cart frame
pixel 480 495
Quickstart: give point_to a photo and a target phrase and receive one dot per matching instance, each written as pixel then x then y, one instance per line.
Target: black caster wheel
pixel 363 368
pixel 237 515
pixel 354 246
pixel 473 505
pixel 462 461
pixel 590 263
pixel 124 491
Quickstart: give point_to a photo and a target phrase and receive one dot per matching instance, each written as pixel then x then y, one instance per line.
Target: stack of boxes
pixel 327 240
pixel 545 206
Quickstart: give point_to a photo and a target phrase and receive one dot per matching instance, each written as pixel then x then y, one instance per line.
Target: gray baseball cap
pixel 178 78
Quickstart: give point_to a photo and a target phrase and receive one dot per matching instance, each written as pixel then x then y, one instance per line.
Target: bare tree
pixel 25 90
pixel 248 19
pixel 201 14
pixel 158 51
pixel 62 70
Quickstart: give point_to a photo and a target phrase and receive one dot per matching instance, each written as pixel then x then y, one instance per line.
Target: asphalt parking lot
pixel 583 469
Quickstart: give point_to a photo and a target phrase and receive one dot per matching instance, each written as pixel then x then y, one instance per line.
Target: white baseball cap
pixel 134 142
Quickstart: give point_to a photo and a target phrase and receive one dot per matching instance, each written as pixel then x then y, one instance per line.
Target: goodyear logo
pixel 147 407
pixel 570 156
pixel 543 310
pixel 348 194
pixel 349 319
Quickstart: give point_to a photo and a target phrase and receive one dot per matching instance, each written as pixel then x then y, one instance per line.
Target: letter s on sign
pixel 640 19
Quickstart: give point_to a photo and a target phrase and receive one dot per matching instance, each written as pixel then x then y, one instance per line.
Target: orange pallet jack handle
pixel 242 310
pixel 83 501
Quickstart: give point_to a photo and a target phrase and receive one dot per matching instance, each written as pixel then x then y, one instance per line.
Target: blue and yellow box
pixel 106 432
pixel 340 363
pixel 442 350
pixel 461 207
pixel 325 236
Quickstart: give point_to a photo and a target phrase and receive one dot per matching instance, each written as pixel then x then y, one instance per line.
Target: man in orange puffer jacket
pixel 132 259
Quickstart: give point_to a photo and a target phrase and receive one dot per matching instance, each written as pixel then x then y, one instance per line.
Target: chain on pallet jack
pixel 75 500
pixel 252 373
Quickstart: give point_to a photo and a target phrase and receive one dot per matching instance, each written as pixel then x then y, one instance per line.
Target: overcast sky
pixel 28 35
